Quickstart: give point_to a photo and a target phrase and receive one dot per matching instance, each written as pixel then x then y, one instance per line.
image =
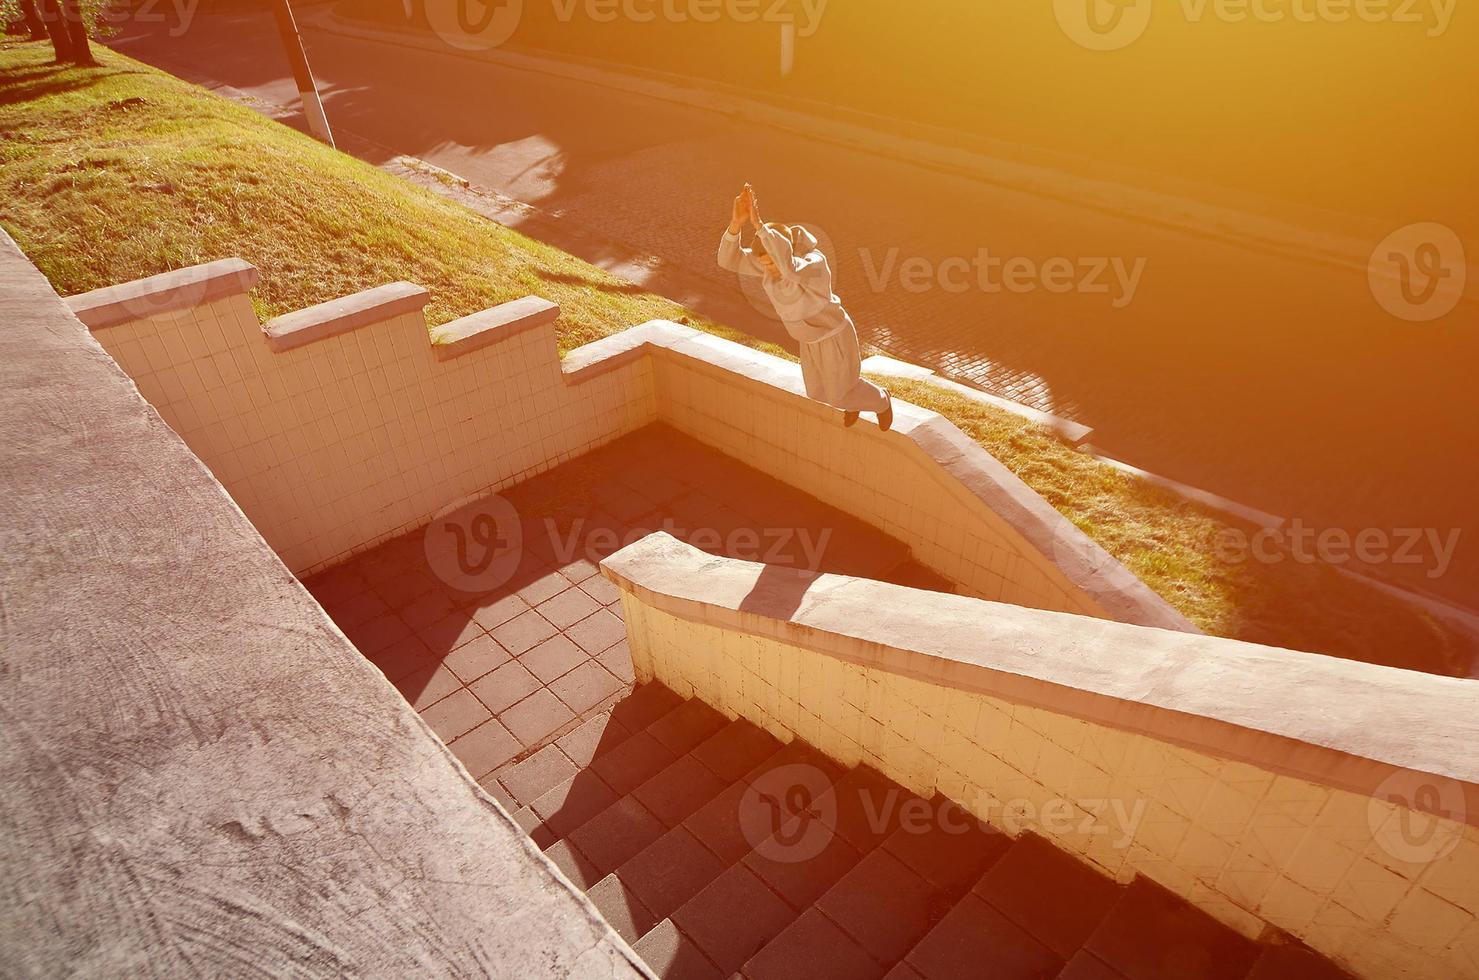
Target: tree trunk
pixel 32 20
pixel 77 32
pixel 56 27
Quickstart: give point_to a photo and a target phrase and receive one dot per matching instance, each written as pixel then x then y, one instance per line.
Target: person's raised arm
pixel 741 210
pixel 732 255
pixel 789 265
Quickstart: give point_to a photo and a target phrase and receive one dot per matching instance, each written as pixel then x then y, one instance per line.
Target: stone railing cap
pixel 493 325
pixel 167 292
pixel 344 314
pixel 1339 722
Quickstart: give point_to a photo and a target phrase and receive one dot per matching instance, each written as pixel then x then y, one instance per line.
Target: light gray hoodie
pixel 802 291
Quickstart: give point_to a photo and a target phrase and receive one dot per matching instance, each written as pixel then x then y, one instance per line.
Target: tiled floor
pixel 501 674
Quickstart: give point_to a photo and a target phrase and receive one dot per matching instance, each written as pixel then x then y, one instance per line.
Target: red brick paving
pixel 502 675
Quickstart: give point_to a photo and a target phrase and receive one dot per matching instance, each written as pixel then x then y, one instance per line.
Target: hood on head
pixel 783 242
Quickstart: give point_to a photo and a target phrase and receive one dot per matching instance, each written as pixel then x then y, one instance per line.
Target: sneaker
pixel 849 419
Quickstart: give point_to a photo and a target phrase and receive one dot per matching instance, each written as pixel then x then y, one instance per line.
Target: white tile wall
pixel 1247 845
pixel 333 447
pixel 887 482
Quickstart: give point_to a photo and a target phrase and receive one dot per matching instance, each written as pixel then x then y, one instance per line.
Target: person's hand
pixel 754 214
pixel 741 212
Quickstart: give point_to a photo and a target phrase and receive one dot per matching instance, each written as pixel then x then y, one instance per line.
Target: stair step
pixel 573 802
pixel 676 866
pixel 1086 966
pixel 973 933
pixel 613 835
pixel 718 852
pixel 673 956
pixel 736 750
pixel 575 865
pixel 900 890
pixel 812 948
pixel 646 704
pixel 622 909
pixel 732 918
pixel 864 807
pixel 949 847
pixel 596 736
pixel 717 823
pixel 633 762
pixel 1290 961
pixel 578 798
pixel 1152 934
pixel 659 803
pixel 843 816
pixel 684 728
pixel 802 877
pixel 673 794
pixel 884 906
pixel 541 772
pixel 1055 897
pixel 668 872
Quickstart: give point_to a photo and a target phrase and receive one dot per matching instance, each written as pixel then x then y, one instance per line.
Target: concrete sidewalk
pixel 203 778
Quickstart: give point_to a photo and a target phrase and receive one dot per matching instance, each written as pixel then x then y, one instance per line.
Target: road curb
pixel 1187 215
pixel 1073 433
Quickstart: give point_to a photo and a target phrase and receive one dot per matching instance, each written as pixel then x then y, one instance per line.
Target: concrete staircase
pixel 717 851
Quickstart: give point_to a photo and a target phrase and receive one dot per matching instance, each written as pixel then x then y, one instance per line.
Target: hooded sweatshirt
pixel 802 291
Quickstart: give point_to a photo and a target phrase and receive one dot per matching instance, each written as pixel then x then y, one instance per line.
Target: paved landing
pixel 503 672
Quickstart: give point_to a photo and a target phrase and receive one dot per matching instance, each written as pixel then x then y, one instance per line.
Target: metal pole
pixel 292 43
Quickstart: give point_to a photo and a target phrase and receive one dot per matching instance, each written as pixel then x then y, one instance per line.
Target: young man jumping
pixel 795 275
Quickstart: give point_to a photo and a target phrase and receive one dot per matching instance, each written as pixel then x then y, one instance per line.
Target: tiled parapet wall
pixel 1333 800
pixel 341 425
pixel 961 511
pixel 338 426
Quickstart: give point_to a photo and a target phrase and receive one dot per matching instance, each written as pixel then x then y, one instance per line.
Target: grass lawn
pixel 121 172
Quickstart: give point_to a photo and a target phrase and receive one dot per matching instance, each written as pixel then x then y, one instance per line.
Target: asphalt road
pixel 1276 380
